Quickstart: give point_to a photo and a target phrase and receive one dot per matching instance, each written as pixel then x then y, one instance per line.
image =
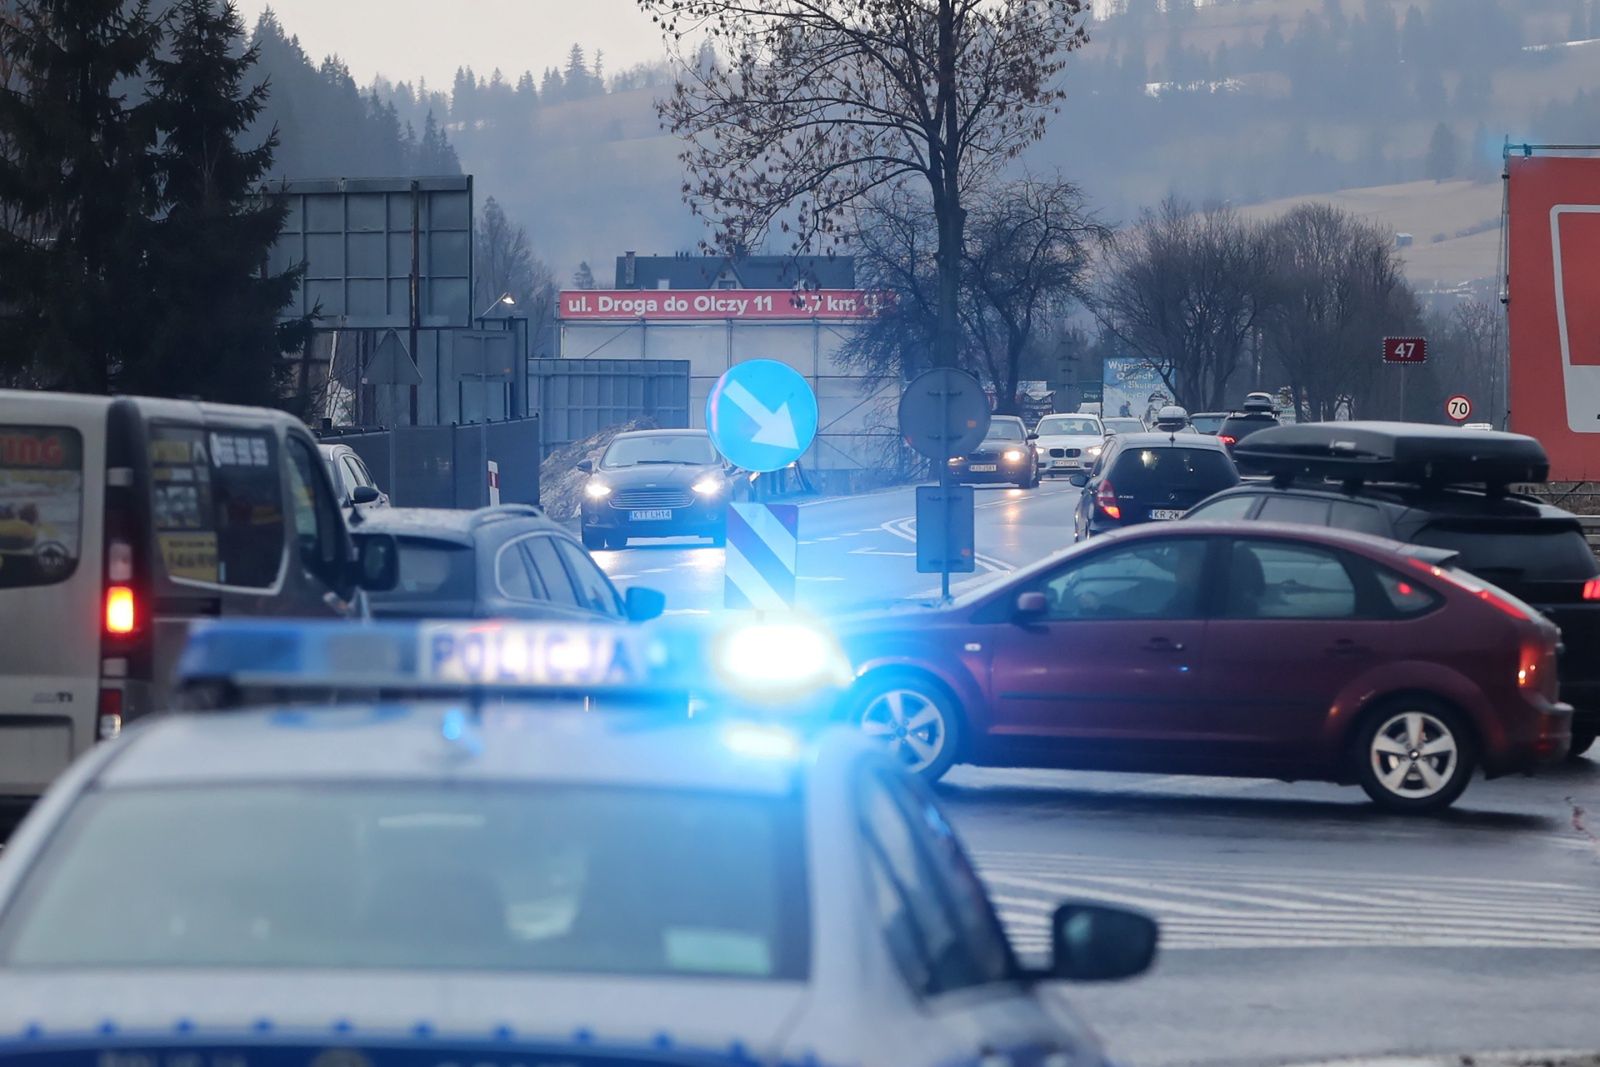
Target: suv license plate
pixel 983 468
pixel 1165 513
pixel 652 515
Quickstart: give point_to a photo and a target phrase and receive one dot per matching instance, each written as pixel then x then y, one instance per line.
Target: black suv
pixel 1149 477
pixel 1257 413
pixel 1445 488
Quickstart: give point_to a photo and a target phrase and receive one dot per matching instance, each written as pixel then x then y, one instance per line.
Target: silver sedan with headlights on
pixel 655 483
pixel 1068 444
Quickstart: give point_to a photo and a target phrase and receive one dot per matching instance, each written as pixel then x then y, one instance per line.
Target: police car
pixel 495 870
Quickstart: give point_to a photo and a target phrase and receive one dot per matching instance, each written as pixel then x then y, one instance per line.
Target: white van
pixel 121 520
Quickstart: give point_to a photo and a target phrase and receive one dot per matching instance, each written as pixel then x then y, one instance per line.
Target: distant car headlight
pixel 1013 455
pixel 1094 450
pixel 596 490
pixel 709 486
pixel 955 461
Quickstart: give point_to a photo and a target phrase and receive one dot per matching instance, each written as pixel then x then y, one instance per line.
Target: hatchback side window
pixel 923 930
pixel 1362 518
pixel 1225 509
pixel 1147 580
pixel 595 590
pixel 354 474
pixel 1271 580
pixel 549 571
pixel 1305 510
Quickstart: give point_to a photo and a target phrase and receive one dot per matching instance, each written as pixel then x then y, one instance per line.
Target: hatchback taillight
pixel 1591 589
pixel 1106 500
pixel 1227 439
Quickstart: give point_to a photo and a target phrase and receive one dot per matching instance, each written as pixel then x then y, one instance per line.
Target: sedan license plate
pixel 983 468
pixel 650 515
pixel 1166 513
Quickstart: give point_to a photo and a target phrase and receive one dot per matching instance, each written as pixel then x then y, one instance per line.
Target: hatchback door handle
pixel 1162 644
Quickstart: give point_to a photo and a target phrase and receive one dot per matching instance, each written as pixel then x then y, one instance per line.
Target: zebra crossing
pixel 1217 906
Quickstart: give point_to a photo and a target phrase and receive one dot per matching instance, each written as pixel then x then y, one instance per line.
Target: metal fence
pixel 447 466
pixel 577 398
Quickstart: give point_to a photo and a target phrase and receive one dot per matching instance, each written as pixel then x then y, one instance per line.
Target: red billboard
pixel 716 305
pixel 1554 288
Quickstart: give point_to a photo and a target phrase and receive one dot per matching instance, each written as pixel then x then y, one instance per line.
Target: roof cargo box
pixel 1408 452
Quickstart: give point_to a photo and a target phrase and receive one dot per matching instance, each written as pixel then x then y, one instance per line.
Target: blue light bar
pixel 764 663
pixel 445 657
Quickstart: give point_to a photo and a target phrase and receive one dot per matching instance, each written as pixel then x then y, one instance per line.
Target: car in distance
pixel 1436 486
pixel 655 483
pixel 1149 477
pixel 1223 649
pixel 1208 422
pixel 352 481
pixel 504 562
pixel 1258 412
pixel 537 880
pixel 1006 454
pixel 1123 424
pixel 1067 443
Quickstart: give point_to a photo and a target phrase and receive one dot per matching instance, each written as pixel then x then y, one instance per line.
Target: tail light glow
pixel 1591 589
pixel 1106 500
pixel 122 616
pixel 1227 439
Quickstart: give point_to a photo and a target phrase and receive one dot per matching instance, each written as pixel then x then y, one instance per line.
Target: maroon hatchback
pixel 1224 649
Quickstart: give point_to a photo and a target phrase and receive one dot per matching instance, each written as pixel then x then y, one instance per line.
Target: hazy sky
pixel 405 38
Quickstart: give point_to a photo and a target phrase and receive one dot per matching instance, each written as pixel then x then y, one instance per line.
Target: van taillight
pixel 122 613
pixel 1591 589
pixel 1106 501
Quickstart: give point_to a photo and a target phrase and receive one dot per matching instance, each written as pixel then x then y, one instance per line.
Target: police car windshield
pixel 421 876
pixel 669 448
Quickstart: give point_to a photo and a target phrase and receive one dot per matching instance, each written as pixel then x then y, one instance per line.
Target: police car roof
pixel 440 742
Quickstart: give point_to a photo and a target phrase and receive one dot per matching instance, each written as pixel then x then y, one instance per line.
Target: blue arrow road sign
pixel 762 415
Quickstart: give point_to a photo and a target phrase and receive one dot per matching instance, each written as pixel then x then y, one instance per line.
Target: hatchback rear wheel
pixel 1414 755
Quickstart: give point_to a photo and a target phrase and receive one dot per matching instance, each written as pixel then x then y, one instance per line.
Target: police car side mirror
pixel 1098 943
pixel 643 604
pixel 586 466
pixel 364 494
pixel 377 563
pixel 1080 479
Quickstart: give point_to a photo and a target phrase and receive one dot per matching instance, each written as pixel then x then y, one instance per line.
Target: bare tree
pixel 1030 250
pixel 822 103
pixel 1185 290
pixel 503 259
pixel 1337 290
pixel 1029 247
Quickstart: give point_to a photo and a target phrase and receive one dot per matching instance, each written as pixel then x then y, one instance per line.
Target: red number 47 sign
pixel 1405 350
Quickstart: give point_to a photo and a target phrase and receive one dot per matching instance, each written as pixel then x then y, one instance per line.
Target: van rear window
pixel 218 505
pixel 41 504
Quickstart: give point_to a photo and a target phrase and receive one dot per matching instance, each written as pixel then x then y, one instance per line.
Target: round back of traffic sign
pixel 944 413
pixel 762 415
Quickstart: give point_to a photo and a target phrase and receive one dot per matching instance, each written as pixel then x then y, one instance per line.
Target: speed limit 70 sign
pixel 1458 408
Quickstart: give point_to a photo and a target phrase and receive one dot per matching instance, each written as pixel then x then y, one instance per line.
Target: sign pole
pixel 946 509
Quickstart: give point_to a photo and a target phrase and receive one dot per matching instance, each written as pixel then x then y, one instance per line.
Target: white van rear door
pixel 52 479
